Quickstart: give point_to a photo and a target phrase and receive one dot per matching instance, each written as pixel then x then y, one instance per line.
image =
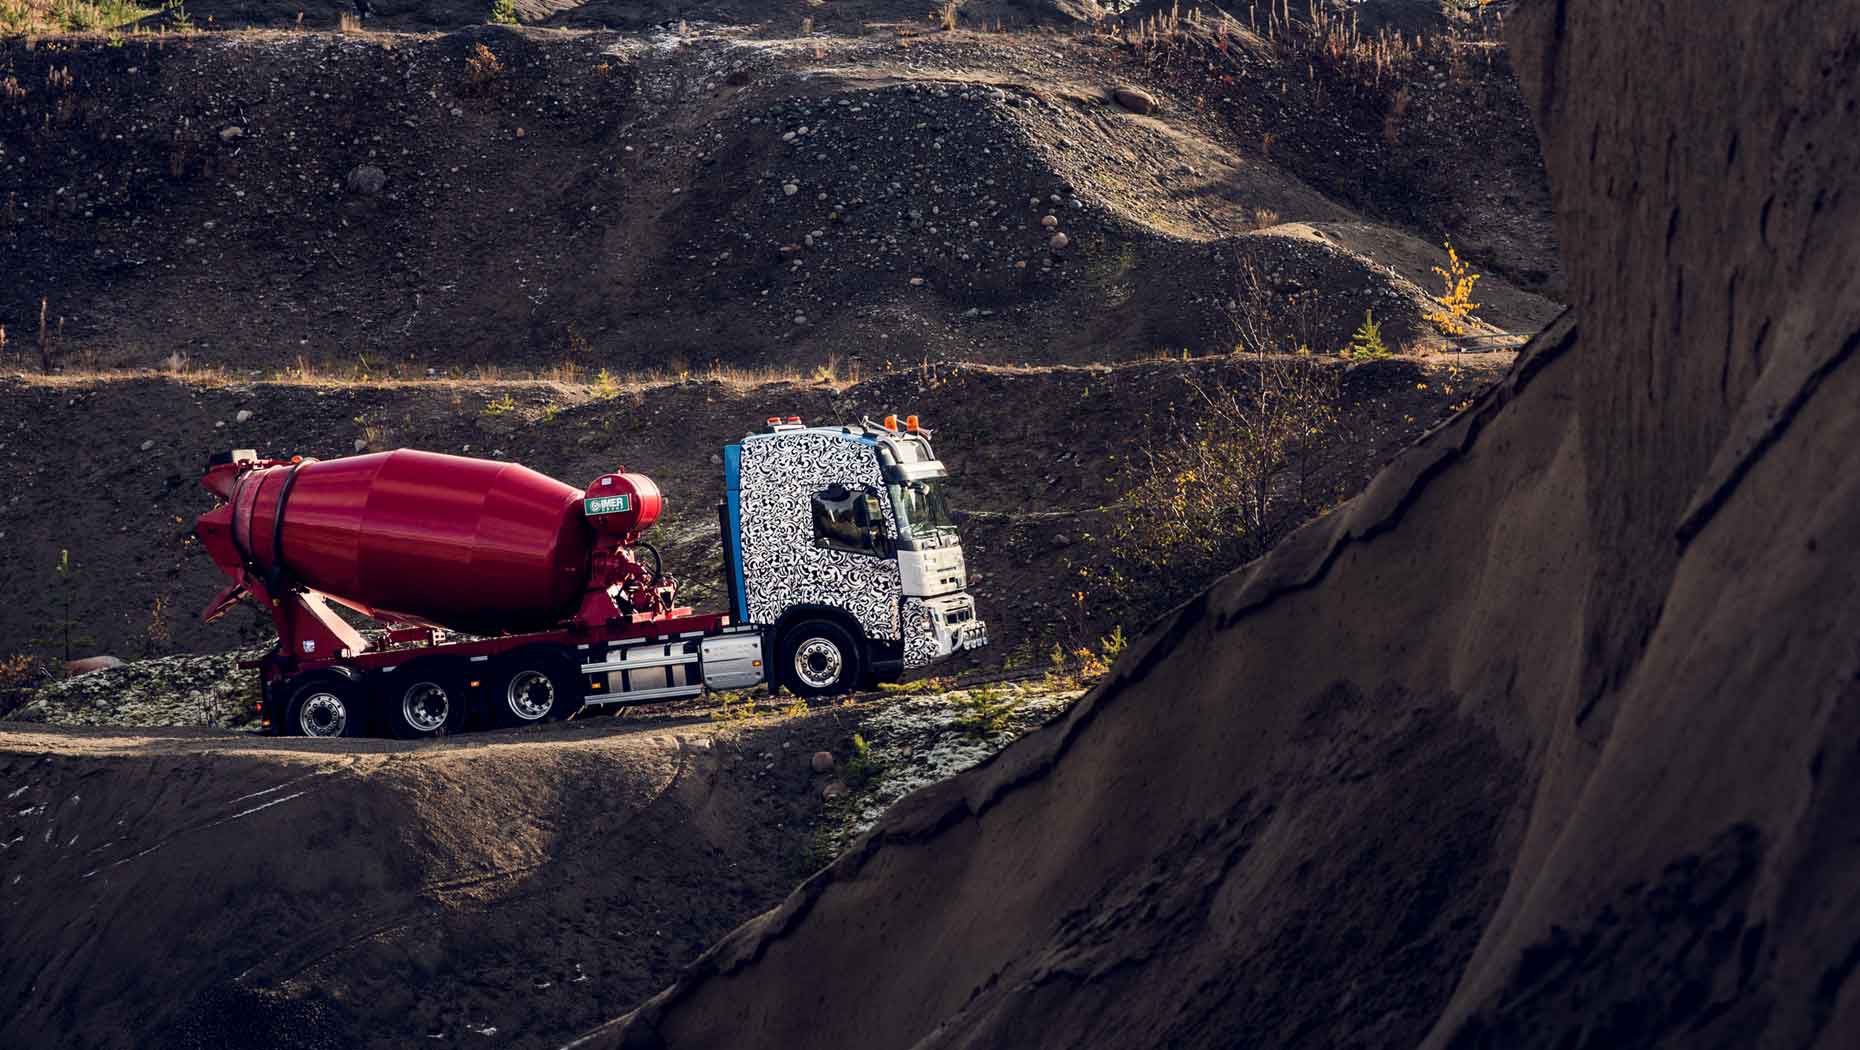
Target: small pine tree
pixel 66 639
pixel 1366 343
pixel 504 12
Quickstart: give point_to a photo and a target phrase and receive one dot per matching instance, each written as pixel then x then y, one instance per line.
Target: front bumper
pixel 954 625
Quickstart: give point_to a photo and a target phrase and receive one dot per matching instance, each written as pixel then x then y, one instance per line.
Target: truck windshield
pixel 922 507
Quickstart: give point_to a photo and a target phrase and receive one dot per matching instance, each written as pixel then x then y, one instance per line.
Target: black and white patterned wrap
pixel 781 566
pixel 919 636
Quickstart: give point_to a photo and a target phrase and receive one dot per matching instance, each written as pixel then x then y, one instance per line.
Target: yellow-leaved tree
pixel 1454 314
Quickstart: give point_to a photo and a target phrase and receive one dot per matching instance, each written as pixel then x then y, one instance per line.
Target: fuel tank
pixel 468 544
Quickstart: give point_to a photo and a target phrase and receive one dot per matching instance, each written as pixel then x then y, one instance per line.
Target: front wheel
pixel 819 658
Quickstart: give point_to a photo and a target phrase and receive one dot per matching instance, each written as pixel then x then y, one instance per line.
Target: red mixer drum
pixel 468 544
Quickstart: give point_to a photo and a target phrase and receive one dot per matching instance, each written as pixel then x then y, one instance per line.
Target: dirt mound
pixel 665 202
pixel 1544 740
pixel 507 889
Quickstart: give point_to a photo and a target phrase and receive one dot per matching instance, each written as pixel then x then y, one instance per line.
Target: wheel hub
pixel 818 663
pixel 424 705
pixel 531 695
pixel 323 715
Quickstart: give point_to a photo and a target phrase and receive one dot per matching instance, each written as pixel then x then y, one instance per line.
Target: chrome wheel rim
pixel 324 714
pixel 817 663
pixel 424 706
pixel 531 695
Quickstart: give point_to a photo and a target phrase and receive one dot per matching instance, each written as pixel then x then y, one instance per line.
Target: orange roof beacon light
pixel 891 422
pixel 910 424
pixel 774 421
pixel 796 420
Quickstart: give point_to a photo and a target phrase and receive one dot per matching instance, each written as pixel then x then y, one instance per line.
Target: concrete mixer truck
pixel 508 597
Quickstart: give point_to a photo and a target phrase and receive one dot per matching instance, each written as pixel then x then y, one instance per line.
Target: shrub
pixel 1454 315
pixel 1253 463
pixel 1463 10
pixel 863 766
pixel 19 675
pixel 735 706
pixel 986 711
pixel 503 13
pixel 482 67
pixel 67 16
pixel 156 635
pixel 1085 665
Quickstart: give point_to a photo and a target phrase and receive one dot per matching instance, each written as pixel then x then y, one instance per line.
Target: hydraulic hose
pixel 658 566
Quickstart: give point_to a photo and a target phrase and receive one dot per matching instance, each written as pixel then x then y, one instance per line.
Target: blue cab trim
pixel 733 543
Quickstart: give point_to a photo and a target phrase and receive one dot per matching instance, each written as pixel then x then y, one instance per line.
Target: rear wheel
pixel 423 700
pixel 533 687
pixel 819 658
pixel 325 707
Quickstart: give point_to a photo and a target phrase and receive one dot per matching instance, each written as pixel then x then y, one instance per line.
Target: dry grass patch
pixel 68 16
pixel 566 378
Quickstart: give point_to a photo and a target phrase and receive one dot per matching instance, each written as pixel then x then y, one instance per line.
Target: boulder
pixel 91 663
pixel 1134 99
pixel 366 179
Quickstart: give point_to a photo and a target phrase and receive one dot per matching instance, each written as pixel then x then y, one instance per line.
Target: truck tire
pixel 326 706
pixel 423 699
pixel 534 686
pixel 819 658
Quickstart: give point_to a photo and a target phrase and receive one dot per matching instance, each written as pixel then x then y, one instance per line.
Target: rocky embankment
pixel 163 691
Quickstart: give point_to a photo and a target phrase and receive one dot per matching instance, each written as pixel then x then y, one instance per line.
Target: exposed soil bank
pixel 1546 740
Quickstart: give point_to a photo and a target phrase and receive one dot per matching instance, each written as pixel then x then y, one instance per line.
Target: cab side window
pixel 850 519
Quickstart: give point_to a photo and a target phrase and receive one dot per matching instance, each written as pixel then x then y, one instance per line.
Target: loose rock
pixel 367 179
pixel 91 663
pixel 1135 100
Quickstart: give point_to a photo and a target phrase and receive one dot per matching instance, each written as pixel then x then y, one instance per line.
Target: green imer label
pixel 607 505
